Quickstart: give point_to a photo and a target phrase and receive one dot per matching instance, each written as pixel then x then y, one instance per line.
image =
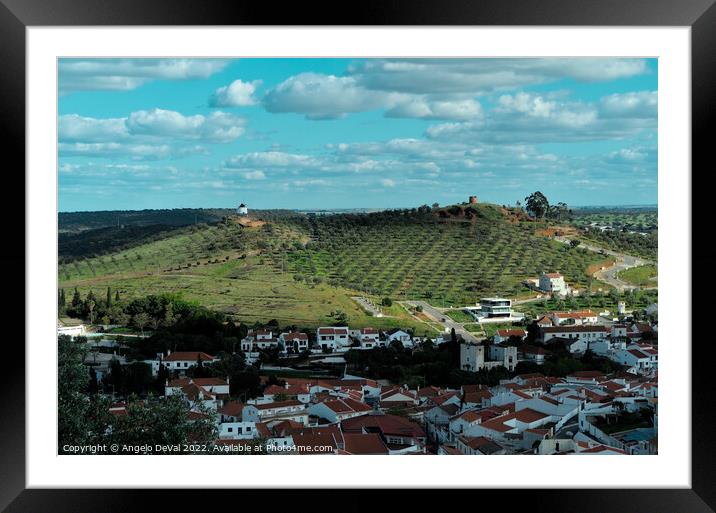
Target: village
pixel 584 412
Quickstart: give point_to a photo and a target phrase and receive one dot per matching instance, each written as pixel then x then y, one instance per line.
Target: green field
pixel 459 316
pixel 643 276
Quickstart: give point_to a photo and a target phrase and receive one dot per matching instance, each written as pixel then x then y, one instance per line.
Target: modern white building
pixel 494 309
pixel 242 210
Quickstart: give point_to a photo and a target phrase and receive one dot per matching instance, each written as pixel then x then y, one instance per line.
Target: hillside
pixel 301 268
pixel 442 254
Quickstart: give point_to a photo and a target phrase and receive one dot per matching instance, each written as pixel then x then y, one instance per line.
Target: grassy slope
pixel 642 276
pixel 250 272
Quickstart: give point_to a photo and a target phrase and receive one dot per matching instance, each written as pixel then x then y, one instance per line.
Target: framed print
pixel 435 232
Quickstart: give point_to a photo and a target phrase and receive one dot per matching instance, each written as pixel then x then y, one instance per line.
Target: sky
pixel 354 133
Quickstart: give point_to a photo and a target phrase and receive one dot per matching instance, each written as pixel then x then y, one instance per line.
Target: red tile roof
pixel 512 333
pixel 190 356
pixel 369 443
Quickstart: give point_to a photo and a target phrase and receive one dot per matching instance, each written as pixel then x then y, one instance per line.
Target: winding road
pixel 609 274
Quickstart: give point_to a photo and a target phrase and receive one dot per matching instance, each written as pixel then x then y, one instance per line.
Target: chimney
pixel 169 351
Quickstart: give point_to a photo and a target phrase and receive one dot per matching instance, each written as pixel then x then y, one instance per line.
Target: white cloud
pixel 73 127
pixel 483 76
pixel 127 74
pixel 270 159
pixel 255 175
pixel 422 108
pixel 115 150
pixel 322 96
pixel 641 104
pixel 236 94
pixel 216 127
pixel 387 182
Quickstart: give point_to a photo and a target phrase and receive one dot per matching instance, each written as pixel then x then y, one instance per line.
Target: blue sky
pixel 348 133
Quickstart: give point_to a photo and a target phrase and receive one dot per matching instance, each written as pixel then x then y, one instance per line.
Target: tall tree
pixel 537 204
pixel 109 298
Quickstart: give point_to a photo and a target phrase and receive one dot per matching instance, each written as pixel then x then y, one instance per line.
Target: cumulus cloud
pixel 483 76
pixel 531 117
pixel 641 104
pixel 216 127
pixel 322 96
pixel 73 127
pixel 146 134
pixel 127 74
pixel 330 97
pixel 236 94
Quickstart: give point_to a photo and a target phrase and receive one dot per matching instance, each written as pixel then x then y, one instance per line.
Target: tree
pixel 387 301
pixel 574 243
pixel 61 299
pixel 140 321
pixel 89 305
pixel 76 299
pixel 116 296
pixel 109 298
pixel 537 205
pixel 81 419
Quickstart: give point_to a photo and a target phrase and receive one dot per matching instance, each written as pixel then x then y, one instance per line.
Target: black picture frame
pixel 16 15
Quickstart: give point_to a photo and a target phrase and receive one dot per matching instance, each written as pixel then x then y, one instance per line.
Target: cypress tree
pixel 61 301
pixel 76 299
pixel 116 296
pixel 109 297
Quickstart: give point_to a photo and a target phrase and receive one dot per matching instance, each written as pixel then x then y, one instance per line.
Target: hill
pixel 455 254
pixel 302 268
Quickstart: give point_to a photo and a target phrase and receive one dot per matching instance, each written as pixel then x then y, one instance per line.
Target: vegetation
pixel 84 417
pixel 618 219
pixel 642 276
pixel 637 244
pixel 597 301
pixel 451 256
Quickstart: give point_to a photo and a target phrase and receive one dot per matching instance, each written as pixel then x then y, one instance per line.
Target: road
pixel 609 275
pixel 448 323
pixel 368 306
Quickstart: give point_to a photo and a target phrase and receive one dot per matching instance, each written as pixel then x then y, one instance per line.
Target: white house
pixel 285 410
pixel 584 332
pixel 369 338
pixel 294 340
pixel 642 360
pixel 553 283
pixel 505 334
pixel 242 210
pixel 338 410
pixel 333 337
pixel 399 335
pixel 182 360
pixel 238 430
pixel 580 317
